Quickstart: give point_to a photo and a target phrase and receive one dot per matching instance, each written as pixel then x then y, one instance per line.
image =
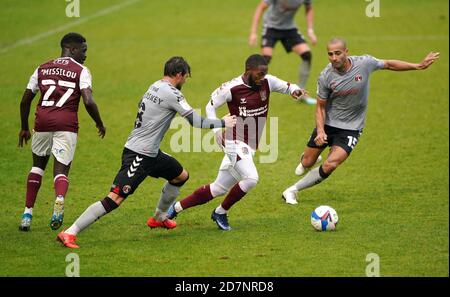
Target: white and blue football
pixel 324 218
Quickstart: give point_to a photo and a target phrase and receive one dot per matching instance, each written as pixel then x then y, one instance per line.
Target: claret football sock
pixel 200 196
pixel 61 183
pixel 34 181
pixel 235 194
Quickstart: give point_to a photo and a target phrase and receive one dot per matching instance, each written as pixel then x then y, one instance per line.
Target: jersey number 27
pixel 49 82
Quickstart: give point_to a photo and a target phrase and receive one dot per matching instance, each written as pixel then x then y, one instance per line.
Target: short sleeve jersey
pixel 347 93
pixel 60 82
pixel 280 13
pixel 158 107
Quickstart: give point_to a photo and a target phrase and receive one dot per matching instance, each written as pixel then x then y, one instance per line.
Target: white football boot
pixel 300 170
pixel 290 195
pixel 58 213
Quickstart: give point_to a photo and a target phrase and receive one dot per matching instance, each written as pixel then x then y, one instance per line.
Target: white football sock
pixel 220 210
pixel 178 207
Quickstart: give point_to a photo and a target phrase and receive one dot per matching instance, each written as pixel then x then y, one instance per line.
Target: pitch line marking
pixel 40 36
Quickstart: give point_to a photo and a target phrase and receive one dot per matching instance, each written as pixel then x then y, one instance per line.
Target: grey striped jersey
pixel 280 13
pixel 347 93
pixel 158 107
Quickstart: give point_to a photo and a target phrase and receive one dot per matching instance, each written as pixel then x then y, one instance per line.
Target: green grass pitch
pixel 391 194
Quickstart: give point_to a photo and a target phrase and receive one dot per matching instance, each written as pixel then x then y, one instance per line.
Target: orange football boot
pixel 167 223
pixel 68 240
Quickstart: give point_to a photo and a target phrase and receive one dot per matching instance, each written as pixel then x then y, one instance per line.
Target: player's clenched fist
pixel 321 138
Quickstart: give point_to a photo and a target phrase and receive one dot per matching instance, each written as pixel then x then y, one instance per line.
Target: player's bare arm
pixel 92 109
pixel 398 65
pixel 309 14
pixel 25 105
pixel 321 137
pixel 256 17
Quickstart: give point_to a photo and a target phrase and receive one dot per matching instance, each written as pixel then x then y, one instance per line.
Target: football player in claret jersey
pixel 142 156
pixel 342 97
pixel 247 97
pixel 62 82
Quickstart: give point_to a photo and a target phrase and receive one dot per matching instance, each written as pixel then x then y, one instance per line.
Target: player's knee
pixel 306 56
pixel 110 204
pixel 329 166
pixel 267 58
pixel 217 189
pixel 248 183
pixel 181 180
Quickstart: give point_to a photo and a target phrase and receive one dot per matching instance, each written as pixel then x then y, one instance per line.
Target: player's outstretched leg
pixel 314 177
pixel 336 157
pixel 94 212
pixel 200 196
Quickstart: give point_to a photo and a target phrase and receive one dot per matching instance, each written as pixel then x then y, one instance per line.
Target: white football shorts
pixel 238 160
pixel 61 144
